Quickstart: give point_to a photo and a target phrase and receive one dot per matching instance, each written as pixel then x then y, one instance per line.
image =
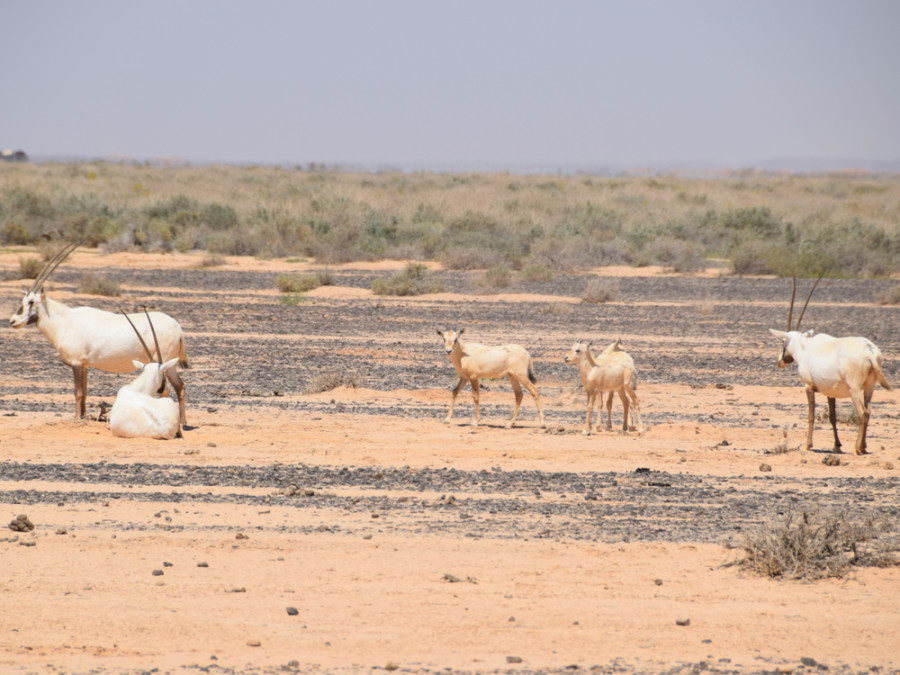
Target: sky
pixel 514 85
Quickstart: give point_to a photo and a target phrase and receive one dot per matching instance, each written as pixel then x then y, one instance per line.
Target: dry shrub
pixel 891 297
pixel 600 290
pixel 97 284
pixel 29 268
pixel 211 260
pixel 327 380
pixel 301 283
pixel 815 544
pixel 414 280
pixel 556 309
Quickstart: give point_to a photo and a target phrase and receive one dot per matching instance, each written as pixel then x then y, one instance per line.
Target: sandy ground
pixel 132 584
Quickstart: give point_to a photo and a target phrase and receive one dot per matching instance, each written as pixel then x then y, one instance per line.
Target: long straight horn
pixel 155 341
pixel 803 311
pixel 791 310
pixel 53 263
pixel 136 332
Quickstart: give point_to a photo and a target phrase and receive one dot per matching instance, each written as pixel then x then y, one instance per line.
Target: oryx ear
pixel 778 333
pixel 439 332
pixel 460 332
pixel 169 364
pixel 138 364
pixel 809 333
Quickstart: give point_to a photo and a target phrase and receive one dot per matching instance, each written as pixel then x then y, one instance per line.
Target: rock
pixel 202 564
pixel 765 467
pixel 452 579
pixel 292 611
pixel 831 460
pixel 157 573
pixel 682 622
pixel 514 659
pixel 390 665
pixel 253 643
pixel 808 662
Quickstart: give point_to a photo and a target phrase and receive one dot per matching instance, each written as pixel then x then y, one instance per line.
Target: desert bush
pixel 29 268
pixel 301 283
pixel 98 284
pixel 812 544
pixel 890 297
pixel 498 276
pixel 556 309
pixel 330 379
pixel 292 299
pixel 673 254
pixel 536 272
pixel 211 260
pixel 414 280
pixel 600 290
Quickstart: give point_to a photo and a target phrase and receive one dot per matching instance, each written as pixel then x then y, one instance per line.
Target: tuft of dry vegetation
pixel 814 544
pixel 301 283
pixel 98 284
pixel 415 279
pixel 600 290
pixel 330 379
pixel 29 268
pixel 891 297
pixel 789 225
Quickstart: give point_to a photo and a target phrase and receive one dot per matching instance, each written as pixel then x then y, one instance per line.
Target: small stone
pixel 765 467
pixel 514 659
pixel 62 530
pixel 658 582
pixel 253 643
pixel 808 662
pixel 452 579
pixel 682 622
pixel 157 573
pixel 241 535
pixel 202 564
pixel 390 665
pixel 292 611
pixel 831 460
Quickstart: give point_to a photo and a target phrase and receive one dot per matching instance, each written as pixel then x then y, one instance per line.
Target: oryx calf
pixel 473 361
pixel 92 338
pixel 612 371
pixel 835 367
pixel 142 408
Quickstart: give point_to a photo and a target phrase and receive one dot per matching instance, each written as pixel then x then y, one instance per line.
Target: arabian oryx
pixel 613 371
pixel 835 367
pixel 473 361
pixel 142 408
pixel 92 338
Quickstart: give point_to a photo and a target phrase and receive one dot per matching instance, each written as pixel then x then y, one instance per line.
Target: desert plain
pixel 320 516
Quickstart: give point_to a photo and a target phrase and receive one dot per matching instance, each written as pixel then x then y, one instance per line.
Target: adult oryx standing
pixel 835 367
pixel 93 338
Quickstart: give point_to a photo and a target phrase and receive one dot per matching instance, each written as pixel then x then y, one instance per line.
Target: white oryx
pixel 473 361
pixel 835 367
pixel 613 371
pixel 93 338
pixel 142 408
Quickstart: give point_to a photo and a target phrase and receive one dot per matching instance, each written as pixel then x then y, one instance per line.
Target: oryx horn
pixel 137 332
pixel 53 263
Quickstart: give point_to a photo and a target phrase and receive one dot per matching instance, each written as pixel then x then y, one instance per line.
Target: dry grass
pixel 98 284
pixel 327 380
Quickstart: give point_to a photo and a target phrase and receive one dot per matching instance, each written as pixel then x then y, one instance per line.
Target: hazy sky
pixel 418 84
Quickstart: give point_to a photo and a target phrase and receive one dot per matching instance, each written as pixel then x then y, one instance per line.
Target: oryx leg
pixel 80 375
pixel 590 413
pixel 636 411
pixel 861 401
pixel 832 417
pixel 537 399
pixel 811 398
pixel 476 395
pixel 626 405
pixel 456 390
pixel 178 385
pixel 609 402
pixel 517 390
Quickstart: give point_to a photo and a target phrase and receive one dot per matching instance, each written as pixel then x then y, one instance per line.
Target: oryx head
pixel 578 348
pixel 157 367
pixel 27 313
pixel 450 338
pixel 790 337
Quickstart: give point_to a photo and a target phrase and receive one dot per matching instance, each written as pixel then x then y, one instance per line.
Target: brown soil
pixel 405 542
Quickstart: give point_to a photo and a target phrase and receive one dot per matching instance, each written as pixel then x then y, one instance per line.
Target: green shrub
pixel 414 280
pixel 301 283
pixel 537 272
pixel 498 276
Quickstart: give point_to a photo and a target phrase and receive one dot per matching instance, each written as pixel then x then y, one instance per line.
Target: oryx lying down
pixel 92 338
pixel 613 371
pixel 835 367
pixel 473 361
pixel 142 408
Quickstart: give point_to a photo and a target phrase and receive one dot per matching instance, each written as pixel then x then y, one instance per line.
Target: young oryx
pixel 473 361
pixel 92 338
pixel 611 371
pixel 835 367
pixel 138 410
